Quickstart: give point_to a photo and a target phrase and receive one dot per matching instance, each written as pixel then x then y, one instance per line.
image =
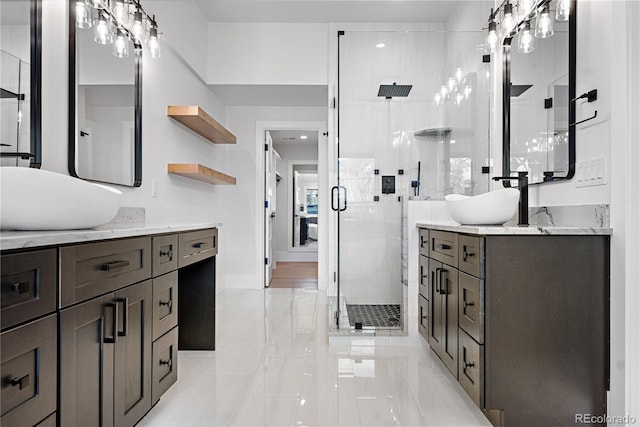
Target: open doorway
pixel 293 208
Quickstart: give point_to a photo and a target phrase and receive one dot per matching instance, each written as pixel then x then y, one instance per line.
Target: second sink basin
pixel 492 208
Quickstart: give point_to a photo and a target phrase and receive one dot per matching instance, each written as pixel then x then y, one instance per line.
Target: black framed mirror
pixel 105 103
pixel 539 91
pixel 21 82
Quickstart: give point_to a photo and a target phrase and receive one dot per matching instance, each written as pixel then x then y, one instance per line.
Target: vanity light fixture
pixel 544 23
pixel 120 22
pixel 303 136
pixel 492 36
pixel 83 15
pixel 120 45
pixel 508 20
pixel 525 39
pixel 380 45
pixel 154 44
pixel 563 10
pixel 103 33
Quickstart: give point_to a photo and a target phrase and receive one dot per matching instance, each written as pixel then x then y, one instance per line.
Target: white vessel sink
pixel 34 199
pixel 495 207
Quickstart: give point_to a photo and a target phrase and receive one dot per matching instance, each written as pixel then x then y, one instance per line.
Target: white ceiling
pixel 323 11
pixel 289 137
pixel 271 95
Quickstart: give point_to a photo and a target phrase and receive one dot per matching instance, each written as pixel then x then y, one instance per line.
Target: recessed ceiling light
pixel 303 137
pixel 380 45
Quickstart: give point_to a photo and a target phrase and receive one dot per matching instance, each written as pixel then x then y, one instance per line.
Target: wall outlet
pixel 591 172
pixel 154 188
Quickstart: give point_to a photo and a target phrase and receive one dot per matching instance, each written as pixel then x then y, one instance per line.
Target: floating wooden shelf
pixel 196 119
pixel 200 173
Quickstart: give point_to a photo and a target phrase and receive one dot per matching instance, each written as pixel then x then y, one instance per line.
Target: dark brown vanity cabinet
pixel 531 315
pixel 105 375
pixel 29 341
pixel 443 313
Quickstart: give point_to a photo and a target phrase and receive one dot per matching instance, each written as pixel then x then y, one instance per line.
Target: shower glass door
pixel 389 119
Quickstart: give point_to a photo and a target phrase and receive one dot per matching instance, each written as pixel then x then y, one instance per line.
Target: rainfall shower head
pixel 390 91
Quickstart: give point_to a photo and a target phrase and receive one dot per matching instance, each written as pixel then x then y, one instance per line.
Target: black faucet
pixel 523 187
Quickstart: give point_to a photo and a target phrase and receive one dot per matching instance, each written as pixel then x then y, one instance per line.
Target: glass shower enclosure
pixel 413 120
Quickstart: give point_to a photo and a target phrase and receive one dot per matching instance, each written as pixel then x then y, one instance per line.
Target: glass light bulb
pixel 154 45
pixel 544 24
pixel 459 75
pixel 525 40
pixel 83 15
pixel 120 11
pixel 467 91
pixel 563 10
pixel 491 39
pixel 137 29
pixel 120 46
pixel 437 98
pixel 508 22
pixel 102 33
pixel 444 91
pixel 459 98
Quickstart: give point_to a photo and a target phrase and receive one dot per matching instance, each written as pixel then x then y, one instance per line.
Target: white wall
pixel 267 53
pixel 167 81
pixel 244 161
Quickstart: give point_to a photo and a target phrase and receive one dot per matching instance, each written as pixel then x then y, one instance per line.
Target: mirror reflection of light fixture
pixel 120 45
pixel 544 23
pixel 102 30
pixel 525 39
pixel 120 22
pixel 563 9
pixel 83 15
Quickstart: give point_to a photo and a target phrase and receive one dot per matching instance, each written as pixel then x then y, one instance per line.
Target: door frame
pixel 323 189
pixel 290 207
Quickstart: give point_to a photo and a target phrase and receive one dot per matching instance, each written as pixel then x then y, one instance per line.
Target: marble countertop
pixel 32 239
pixel 504 230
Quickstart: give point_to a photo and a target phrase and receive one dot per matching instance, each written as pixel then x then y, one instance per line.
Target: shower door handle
pixel 333 198
pixel 345 199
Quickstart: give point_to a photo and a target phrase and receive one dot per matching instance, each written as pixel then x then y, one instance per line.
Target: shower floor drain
pixel 374 315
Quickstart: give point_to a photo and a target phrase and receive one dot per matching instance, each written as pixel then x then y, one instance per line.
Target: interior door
pixel 269 207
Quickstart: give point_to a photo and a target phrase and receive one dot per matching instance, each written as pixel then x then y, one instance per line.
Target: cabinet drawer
pixel 424 241
pixel 197 245
pixel 443 246
pixel 165 303
pixel 29 286
pixel 97 268
pixel 29 360
pixel 165 364
pixel 471 368
pixel 471 306
pixel 471 256
pixel 424 277
pixel 423 318
pixel 165 254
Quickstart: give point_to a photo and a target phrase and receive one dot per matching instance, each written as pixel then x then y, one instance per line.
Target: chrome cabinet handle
pixel 168 303
pixel 465 254
pixel 167 362
pixel 468 304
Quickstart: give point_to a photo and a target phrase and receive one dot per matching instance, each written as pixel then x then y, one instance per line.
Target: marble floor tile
pixel 273 366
